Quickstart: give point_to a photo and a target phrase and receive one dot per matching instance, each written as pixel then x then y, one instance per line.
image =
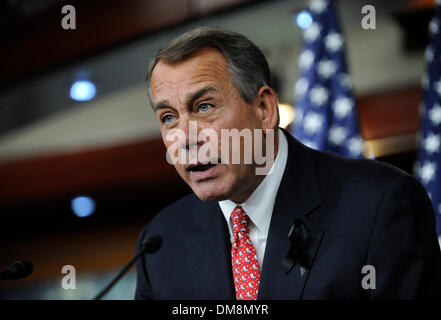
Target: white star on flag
pixel 318 95
pixel 326 68
pixel 299 115
pixel 345 81
pixel 432 143
pixel 355 146
pixel 342 107
pixel 435 115
pixel 312 32
pixel 428 171
pixel 301 87
pixel 428 54
pixel 306 59
pixel 318 6
pixel 434 25
pixel 337 135
pixel 312 122
pixel 333 41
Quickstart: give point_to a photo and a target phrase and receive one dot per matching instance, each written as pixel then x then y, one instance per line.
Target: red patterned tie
pixel 246 269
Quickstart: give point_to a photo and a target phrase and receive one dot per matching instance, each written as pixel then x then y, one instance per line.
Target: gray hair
pixel 247 66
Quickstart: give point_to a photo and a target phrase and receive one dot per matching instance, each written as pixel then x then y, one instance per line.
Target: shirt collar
pixel 259 206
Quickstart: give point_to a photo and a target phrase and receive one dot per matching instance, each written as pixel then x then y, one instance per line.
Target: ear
pixel 266 101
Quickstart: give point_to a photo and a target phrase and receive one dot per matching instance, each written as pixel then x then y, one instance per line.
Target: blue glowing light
pixel 304 19
pixel 82 90
pixel 83 206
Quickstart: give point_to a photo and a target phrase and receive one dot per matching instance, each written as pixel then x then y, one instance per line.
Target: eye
pixel 204 107
pixel 167 118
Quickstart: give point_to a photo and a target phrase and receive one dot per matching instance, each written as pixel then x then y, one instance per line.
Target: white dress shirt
pixel 259 206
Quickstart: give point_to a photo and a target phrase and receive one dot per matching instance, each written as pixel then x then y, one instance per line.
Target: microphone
pixel 150 244
pixel 17 270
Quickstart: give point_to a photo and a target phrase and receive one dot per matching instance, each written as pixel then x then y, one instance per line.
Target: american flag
pixel 326 117
pixel 428 165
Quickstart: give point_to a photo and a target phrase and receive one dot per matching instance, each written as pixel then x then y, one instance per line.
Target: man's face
pixel 199 89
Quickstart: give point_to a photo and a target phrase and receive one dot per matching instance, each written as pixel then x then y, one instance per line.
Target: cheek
pixel 164 133
pixel 234 120
pixel 182 172
pixel 233 174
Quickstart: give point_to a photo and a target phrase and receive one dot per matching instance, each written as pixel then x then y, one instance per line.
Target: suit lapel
pixel 298 195
pixel 209 260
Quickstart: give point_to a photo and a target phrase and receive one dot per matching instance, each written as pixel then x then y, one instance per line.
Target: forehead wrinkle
pixel 193 95
pixel 167 91
pixel 207 67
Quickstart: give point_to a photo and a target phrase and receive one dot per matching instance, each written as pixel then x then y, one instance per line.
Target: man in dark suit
pixel 317 226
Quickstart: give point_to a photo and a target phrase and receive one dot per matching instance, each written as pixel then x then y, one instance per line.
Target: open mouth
pixel 201 167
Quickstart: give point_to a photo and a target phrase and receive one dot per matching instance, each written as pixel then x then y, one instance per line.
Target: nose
pixel 190 129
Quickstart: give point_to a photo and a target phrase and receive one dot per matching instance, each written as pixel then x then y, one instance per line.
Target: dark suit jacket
pixel 360 212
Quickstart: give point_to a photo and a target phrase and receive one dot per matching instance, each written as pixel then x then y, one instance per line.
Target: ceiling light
pixel 83 206
pixel 82 90
pixel 304 19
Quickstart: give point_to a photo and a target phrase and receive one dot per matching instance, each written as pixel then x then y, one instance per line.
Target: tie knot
pixel 240 220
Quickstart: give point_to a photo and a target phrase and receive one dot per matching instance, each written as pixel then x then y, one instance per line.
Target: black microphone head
pixel 20 269
pixel 152 243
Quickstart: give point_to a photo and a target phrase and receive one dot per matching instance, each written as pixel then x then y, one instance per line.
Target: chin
pixel 210 193
pixel 211 197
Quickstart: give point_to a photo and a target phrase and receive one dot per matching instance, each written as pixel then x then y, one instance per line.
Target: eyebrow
pixel 200 93
pixel 192 97
pixel 160 105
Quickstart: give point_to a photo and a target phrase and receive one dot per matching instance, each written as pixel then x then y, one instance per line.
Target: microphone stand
pixel 150 245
